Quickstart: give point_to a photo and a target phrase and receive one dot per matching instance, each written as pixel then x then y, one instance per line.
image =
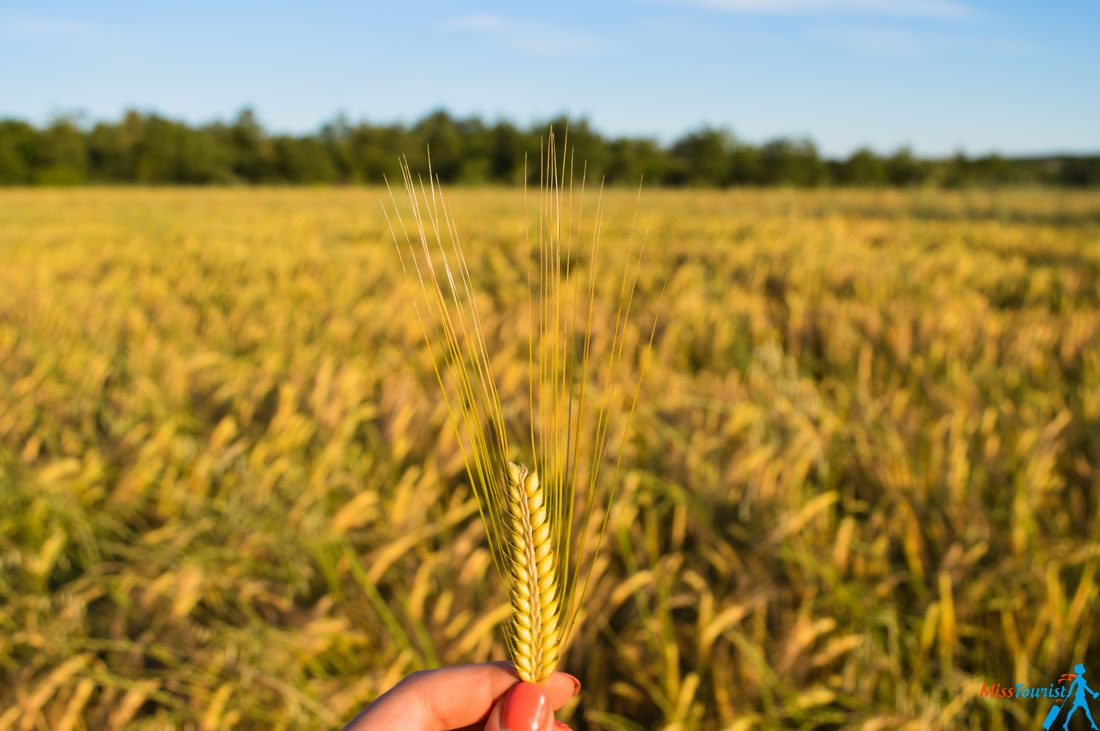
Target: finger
pixel 464 694
pixel 453 697
pixel 561 688
pixel 525 707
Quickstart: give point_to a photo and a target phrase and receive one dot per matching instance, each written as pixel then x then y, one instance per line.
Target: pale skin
pixel 482 697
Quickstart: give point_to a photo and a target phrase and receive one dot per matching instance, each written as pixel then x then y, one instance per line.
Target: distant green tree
pixel 589 153
pixel 634 161
pixel 863 168
pixel 993 169
pixel 303 160
pixel 152 149
pixel 792 162
pixel 903 169
pixel 18 142
pixel 112 149
pixel 204 157
pixel 252 152
pixel 336 138
pixel 1079 172
pixel 440 135
pixel 956 171
pixel 60 156
pixel 702 157
pixel 507 153
pixel 375 152
pixel 477 151
pixel 159 152
pixel 747 166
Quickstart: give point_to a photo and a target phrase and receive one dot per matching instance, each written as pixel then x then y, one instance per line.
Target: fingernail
pixel 576 684
pixel 525 709
pixel 561 726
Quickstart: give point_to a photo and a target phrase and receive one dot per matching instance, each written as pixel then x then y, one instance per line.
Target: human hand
pixel 484 697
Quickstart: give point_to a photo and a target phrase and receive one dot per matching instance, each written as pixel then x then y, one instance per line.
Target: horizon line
pixel 86 120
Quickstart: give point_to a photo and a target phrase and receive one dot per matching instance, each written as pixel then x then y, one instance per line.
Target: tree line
pixel 151 149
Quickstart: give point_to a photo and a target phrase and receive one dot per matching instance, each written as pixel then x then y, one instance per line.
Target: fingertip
pixel 561 687
pixel 526 707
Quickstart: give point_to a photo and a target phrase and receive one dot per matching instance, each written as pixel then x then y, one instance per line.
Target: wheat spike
pixel 543 525
pixel 534 632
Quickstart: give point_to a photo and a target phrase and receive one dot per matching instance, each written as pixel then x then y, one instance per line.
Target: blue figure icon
pixel 1078 689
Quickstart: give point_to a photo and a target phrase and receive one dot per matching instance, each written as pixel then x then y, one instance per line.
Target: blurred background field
pixel 863 479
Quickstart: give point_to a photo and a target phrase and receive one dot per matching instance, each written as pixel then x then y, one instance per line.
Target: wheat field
pixel 862 480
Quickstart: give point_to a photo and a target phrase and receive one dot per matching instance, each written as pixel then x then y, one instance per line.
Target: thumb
pixel 524 707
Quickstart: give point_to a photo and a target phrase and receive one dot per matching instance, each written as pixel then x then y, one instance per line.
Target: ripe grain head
pixel 545 526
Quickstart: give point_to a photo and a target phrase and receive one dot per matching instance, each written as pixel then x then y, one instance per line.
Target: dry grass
pixel 862 481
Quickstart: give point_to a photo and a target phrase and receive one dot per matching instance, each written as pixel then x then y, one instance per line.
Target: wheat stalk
pixel 545 526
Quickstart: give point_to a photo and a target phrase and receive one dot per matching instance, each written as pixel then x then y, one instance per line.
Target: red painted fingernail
pixel 576 684
pixel 561 726
pixel 525 709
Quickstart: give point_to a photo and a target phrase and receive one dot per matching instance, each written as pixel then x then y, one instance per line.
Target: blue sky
pixel 939 75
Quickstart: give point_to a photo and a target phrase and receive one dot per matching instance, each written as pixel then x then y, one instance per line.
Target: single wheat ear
pixel 545 526
pixel 534 630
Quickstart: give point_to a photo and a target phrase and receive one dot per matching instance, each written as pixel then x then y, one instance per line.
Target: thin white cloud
pixel 481 22
pixel 927 8
pixel 897 42
pixel 882 42
pixel 527 37
pixel 19 25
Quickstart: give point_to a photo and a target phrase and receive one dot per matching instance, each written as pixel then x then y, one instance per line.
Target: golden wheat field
pixel 863 478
